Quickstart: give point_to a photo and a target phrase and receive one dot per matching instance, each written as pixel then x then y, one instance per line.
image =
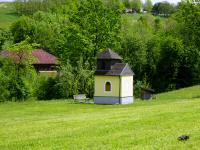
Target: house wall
pixel 126 86
pixel 100 86
pixel 48 73
pixel 44 67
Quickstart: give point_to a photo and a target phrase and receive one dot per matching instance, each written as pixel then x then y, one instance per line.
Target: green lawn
pixel 60 125
pixel 7 15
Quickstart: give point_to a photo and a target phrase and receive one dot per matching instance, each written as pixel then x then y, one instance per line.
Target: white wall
pixel 126 86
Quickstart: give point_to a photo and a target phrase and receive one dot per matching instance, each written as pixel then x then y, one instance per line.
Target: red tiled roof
pixel 42 57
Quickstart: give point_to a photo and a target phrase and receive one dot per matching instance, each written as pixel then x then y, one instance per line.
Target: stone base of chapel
pixel 113 100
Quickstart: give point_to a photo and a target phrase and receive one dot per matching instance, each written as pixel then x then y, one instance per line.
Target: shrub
pixel 138 85
pixel 46 89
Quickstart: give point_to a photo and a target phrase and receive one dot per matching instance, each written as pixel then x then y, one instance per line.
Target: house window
pixel 108 87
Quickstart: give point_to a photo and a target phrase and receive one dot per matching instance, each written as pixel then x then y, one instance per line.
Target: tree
pixel 5 36
pixel 22 28
pixel 153 58
pixel 4 79
pixel 93 26
pixel 148 5
pixel 188 18
pixel 29 7
pixel 169 63
pixel 136 5
pixel 71 81
pixel 163 8
pixel 19 71
pixel 40 24
pixel 126 3
pixel 134 53
pixel 188 29
pixel 140 46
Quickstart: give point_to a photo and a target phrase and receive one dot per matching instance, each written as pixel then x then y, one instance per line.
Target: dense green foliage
pixel 166 52
pixel 71 81
pixel 135 5
pixel 163 53
pixel 30 7
pixel 163 8
pixel 17 73
pixel 148 5
pixel 4 37
pixel 64 125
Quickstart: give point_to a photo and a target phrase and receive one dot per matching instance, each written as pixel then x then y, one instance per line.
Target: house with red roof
pixel 43 61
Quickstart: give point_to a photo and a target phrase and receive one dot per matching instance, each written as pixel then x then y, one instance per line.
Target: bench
pixel 80 97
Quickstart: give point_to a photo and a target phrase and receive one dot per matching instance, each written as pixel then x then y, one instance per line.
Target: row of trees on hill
pixel 32 6
pixel 163 53
pixel 160 8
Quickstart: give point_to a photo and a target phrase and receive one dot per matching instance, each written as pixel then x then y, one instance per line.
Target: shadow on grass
pixel 80 102
pixel 198 96
pixel 13 14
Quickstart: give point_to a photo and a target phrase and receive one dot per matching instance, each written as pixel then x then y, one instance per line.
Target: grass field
pixel 61 125
pixel 7 15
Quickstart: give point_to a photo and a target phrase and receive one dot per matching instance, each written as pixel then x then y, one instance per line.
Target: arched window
pixel 108 86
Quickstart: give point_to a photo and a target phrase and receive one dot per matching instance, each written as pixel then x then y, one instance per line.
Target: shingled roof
pixel 118 69
pixel 108 54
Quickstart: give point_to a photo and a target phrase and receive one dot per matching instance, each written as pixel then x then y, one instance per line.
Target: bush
pixel 71 81
pixel 46 89
pixel 138 85
pixel 4 92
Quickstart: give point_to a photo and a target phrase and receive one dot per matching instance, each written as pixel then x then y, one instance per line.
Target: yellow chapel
pixel 113 80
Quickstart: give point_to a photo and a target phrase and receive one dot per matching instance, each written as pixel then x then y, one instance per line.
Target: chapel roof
pixel 108 54
pixel 118 69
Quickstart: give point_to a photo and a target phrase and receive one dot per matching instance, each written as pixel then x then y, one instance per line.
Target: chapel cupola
pixel 107 59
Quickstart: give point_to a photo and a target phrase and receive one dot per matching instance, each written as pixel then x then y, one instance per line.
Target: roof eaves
pixel 127 66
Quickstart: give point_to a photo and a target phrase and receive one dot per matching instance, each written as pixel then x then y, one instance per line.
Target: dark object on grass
pixel 183 138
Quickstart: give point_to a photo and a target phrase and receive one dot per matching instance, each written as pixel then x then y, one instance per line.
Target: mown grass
pixel 7 15
pixel 60 125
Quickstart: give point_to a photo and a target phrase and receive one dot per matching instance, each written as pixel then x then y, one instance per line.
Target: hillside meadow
pixel 60 125
pixel 7 15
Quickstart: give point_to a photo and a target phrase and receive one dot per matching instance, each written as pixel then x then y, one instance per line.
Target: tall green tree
pixel 126 3
pixel 188 29
pixel 148 5
pixel 136 5
pixel 19 71
pixel 188 18
pixel 22 28
pixel 168 66
pixel 40 24
pixel 134 53
pixel 163 8
pixel 5 36
pixel 96 26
